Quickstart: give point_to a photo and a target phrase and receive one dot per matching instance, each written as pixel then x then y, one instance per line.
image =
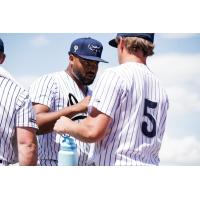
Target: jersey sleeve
pixel 25 116
pixel 107 93
pixel 42 91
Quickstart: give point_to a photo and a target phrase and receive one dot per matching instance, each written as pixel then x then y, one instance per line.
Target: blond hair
pixel 133 44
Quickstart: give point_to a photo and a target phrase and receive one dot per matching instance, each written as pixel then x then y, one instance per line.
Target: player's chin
pixel 89 81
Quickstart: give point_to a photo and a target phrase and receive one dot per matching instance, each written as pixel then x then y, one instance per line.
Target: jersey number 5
pixel 153 105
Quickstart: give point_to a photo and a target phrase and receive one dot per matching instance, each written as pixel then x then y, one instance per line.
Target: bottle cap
pixel 68 143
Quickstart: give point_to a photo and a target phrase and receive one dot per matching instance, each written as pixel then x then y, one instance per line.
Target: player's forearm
pixel 46 121
pixel 91 129
pixel 81 131
pixel 27 154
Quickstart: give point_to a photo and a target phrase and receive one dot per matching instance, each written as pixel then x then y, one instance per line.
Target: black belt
pixel 1 161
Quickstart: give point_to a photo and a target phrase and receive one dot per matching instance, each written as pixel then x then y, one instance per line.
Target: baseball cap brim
pixel 93 58
pixel 113 43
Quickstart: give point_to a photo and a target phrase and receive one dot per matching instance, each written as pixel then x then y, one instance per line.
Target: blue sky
pixel 176 62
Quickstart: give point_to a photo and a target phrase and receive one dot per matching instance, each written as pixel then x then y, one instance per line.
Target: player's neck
pixel 133 58
pixel 82 87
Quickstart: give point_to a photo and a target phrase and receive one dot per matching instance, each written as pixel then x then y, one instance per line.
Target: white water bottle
pixel 67 155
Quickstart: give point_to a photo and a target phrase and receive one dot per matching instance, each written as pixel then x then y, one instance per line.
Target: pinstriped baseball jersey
pixel 15 111
pixel 133 97
pixel 57 90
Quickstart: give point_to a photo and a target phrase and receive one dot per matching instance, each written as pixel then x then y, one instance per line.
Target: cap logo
pixel 75 48
pixel 94 48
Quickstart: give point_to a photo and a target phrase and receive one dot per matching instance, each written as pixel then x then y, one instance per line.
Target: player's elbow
pixel 27 146
pixel 94 136
pixel 28 154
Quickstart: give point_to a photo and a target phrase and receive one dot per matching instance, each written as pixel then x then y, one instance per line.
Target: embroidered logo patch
pixel 94 48
pixel 75 48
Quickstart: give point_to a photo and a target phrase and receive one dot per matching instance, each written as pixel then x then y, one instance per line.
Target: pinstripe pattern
pixel 15 111
pixel 123 93
pixel 47 162
pixel 53 91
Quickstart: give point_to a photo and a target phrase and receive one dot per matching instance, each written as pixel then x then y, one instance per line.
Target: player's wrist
pixel 77 108
pixel 69 111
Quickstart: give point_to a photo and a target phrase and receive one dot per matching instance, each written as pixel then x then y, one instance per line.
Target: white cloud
pixel 176 69
pixel 179 74
pixel 177 35
pixel 180 151
pixel 39 41
pixel 183 100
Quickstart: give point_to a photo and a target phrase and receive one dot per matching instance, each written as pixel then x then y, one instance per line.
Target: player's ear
pixel 71 59
pixel 121 44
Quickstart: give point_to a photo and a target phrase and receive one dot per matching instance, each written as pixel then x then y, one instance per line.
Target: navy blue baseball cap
pixel 87 48
pixel 146 36
pixel 1 46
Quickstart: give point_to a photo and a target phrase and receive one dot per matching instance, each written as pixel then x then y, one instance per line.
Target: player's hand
pixel 61 126
pixel 82 105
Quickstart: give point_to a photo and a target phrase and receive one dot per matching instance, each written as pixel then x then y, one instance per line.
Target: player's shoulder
pixel 49 75
pixel 120 71
pixel 17 90
pixel 10 83
pixel 112 70
pixel 116 75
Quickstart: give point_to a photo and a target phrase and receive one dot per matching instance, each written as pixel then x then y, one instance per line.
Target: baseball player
pixel 18 127
pixel 128 108
pixel 65 93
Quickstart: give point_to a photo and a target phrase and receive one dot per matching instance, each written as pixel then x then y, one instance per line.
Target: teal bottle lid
pixel 68 143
